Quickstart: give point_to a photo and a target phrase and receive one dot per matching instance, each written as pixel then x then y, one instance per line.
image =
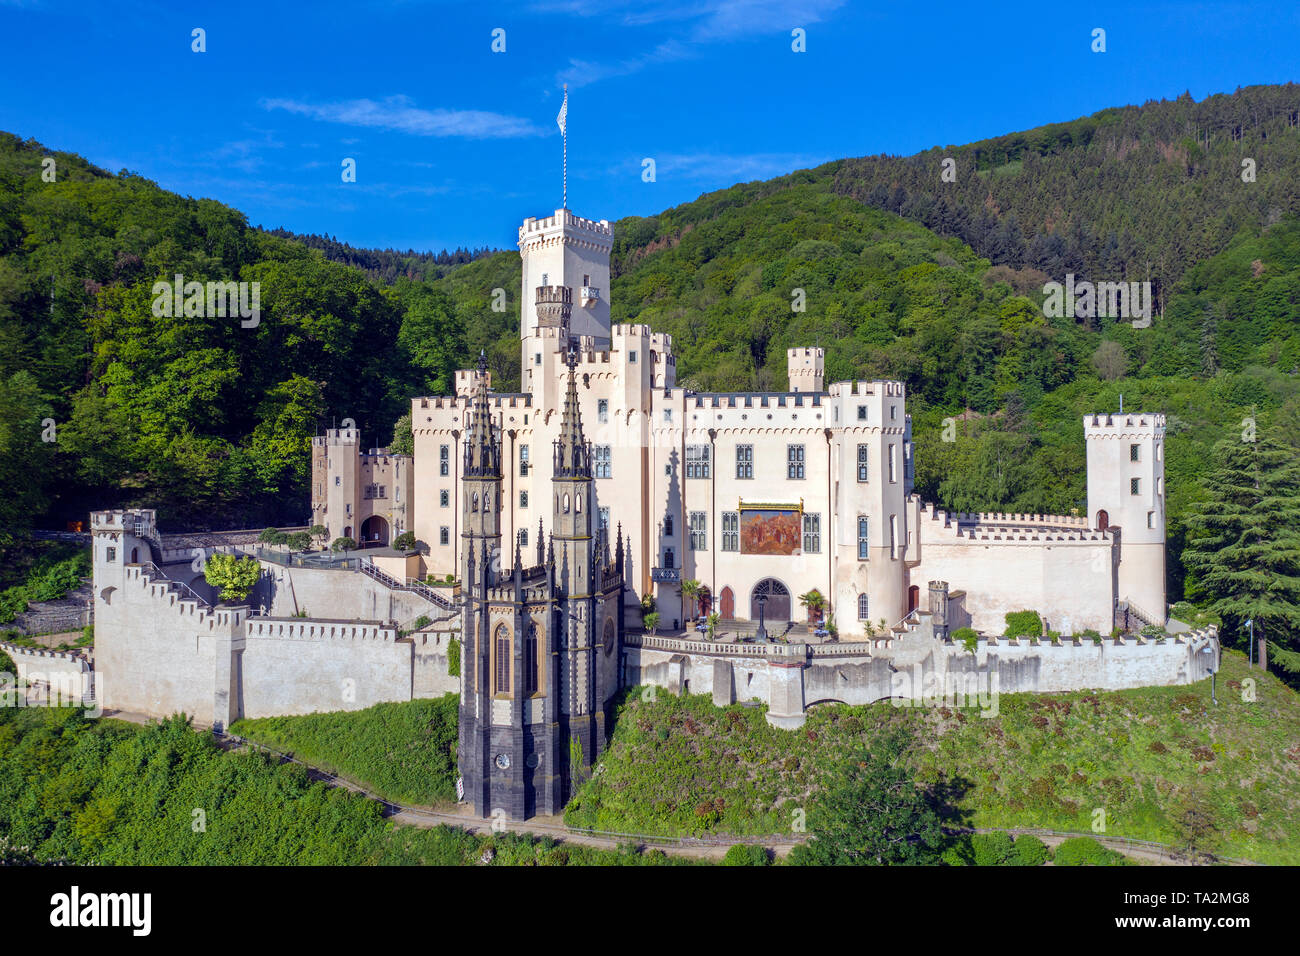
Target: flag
pixel 564 111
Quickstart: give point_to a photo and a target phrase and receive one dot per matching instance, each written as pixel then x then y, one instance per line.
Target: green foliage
pixel 298 540
pixel 343 544
pixel 273 536
pixel 403 752
pixel 50 577
pixel 7 664
pixel 1029 851
pixel 651 622
pixel 405 541
pixel 746 854
pixel 318 533
pixel 453 657
pixel 1024 624
pixel 232 576
pixel 992 849
pixel 967 637
pixel 403 440
pixel 1085 851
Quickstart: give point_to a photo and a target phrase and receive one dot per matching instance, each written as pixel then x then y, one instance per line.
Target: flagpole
pixel 564 133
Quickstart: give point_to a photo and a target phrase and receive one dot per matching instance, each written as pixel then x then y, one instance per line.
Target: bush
pixel 967 637
pixel 233 577
pixel 991 849
pixel 298 541
pixel 453 657
pixel 746 854
pixel 405 541
pixel 343 544
pixel 272 536
pixel 1029 851
pixel 1085 851
pixel 1024 624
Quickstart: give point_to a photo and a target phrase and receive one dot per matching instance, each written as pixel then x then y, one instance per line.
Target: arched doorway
pixel 778 600
pixel 913 598
pixel 374 530
pixel 728 604
pixel 135 555
pixel 1103 521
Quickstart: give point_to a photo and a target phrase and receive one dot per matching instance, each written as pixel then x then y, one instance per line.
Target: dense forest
pixel 904 276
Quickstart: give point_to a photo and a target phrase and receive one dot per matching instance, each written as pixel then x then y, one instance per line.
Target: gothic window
pixel 531 676
pixel 731 531
pixel 474 503
pixel 577 503
pixel 523 537
pixel 501 651
pixel 697 461
pixel 668 416
pixel 604 519
pixel 668 526
pixel 699 531
pixel 111 554
pixel 669 558
pixel 632 357
pixel 862 413
pixel 602 410
pixel 337 481
pixel 444 460
pixel 1134 452
pixel 1151 519
pixel 444 535
pixel 744 461
pixel 864 608
pixel 566 502
pixel 523 461
pixel 864 473
pixel 812 534
pixel 603 462
pixel 1159 483
pixel 523 499
pixel 608 640
pixel 1135 486
pixel 893 413
pixel 794 461
pixel 893 536
pixel 863 543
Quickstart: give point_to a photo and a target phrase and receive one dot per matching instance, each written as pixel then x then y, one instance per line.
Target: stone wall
pixel 53 675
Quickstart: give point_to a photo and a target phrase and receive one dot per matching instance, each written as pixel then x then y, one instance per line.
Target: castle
pixel 557 511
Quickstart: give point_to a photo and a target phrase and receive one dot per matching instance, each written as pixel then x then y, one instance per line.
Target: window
pixel 586 279
pixel 604 462
pixel 632 357
pixel 1151 519
pixel 744 461
pixel 697 461
pixel 862 413
pixel 864 608
pixel 669 558
pixel 1159 484
pixel 337 481
pixel 473 506
pixel 668 526
pixel 863 544
pixel 1135 486
pixel 863 473
pixel 111 554
pixel 444 535
pixel 731 531
pixel 444 460
pixel 537 358
pixel 893 462
pixel 893 536
pixel 812 534
pixel 444 498
pixel 794 461
pixel 668 415
pixel 546 279
pixel 530 659
pixel 523 499
pixel 523 461
pixel 1134 452
pixel 502 654
pixel 699 531
pixel 602 410
pixel 523 537
pixel 604 518
pixel 893 413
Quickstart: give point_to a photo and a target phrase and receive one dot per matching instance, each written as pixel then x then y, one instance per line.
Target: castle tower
pixel 572 525
pixel 336 489
pixel 806 369
pixel 1126 479
pixel 565 288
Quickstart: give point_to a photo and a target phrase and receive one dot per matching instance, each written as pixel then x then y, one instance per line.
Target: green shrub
pixel 453 657
pixel 959 851
pixel 746 854
pixel 405 541
pixel 991 849
pixel 1024 624
pixel 1085 851
pixel 343 544
pixel 967 637
pixel 1029 851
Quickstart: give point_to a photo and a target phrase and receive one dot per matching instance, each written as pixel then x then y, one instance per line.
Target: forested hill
pixel 387 265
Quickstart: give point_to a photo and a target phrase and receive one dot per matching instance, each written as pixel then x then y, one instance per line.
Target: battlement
pixel 41 653
pixel 534 228
pixel 467 381
pixel 137 521
pixel 318 629
pixel 878 387
pixel 805 367
pixel 173 594
pixel 338 436
pixel 1100 425
pixel 989 518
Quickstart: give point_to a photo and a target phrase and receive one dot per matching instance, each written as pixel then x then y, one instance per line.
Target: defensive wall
pixel 52 675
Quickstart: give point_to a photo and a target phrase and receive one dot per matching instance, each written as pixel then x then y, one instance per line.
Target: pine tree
pixel 1243 545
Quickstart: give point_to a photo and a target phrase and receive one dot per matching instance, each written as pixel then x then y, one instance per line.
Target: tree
pixel 651 622
pixel 405 541
pixel 343 544
pixel 232 576
pixel 403 441
pixel 967 637
pixel 815 602
pixel 273 536
pixel 1243 545
pixel 690 590
pixel 1110 360
pixel 318 532
pixel 298 541
pixel 871 812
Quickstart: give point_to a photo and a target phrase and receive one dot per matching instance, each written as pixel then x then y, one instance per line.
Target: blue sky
pixel 455 144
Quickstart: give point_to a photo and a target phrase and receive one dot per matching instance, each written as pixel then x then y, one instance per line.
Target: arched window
pixel 473 502
pixel 501 639
pixel 566 502
pixel 531 677
pixel 864 609
pixel 577 503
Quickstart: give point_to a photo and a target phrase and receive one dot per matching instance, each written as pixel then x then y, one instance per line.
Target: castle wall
pixel 60 675
pixel 336 595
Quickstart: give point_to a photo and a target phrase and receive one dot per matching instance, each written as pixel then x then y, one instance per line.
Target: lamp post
pixel 1250 625
pixel 762 604
pixel 1209 649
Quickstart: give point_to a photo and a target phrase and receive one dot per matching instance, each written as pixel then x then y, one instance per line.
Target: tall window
pixel 862 413
pixel 893 536
pixel 864 608
pixel 530 659
pixel 863 541
pixel 794 461
pixel 893 413
pixel 523 461
pixel 668 416
pixel 1134 452
pixel 602 410
pixel 502 654
pixel 444 498
pixel 604 518
pixel 731 531
pixel 523 537
pixel 444 460
pixel 893 462
pixel 699 531
pixel 863 473
pixel 697 461
pixel 744 461
pixel 603 462
pixel 1135 486
pixel 668 526
pixel 669 558
pixel 444 535
pixel 812 534
pixel 523 499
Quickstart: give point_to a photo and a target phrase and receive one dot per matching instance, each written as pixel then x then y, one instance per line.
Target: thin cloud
pixel 400 114
pixel 724 167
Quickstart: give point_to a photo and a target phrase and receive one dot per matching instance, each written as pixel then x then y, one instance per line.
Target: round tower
pixel 1126 493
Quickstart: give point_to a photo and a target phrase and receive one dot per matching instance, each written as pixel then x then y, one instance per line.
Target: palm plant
pixel 815 602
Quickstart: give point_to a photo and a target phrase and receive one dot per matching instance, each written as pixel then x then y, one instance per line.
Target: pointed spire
pixel 482 452
pixel 541 542
pixel 572 454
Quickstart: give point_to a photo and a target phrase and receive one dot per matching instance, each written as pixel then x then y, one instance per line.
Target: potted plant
pixel 651 622
pixel 815 603
pixel 712 621
pixel 690 590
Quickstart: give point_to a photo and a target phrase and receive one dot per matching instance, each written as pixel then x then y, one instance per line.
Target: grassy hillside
pixel 1147 757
